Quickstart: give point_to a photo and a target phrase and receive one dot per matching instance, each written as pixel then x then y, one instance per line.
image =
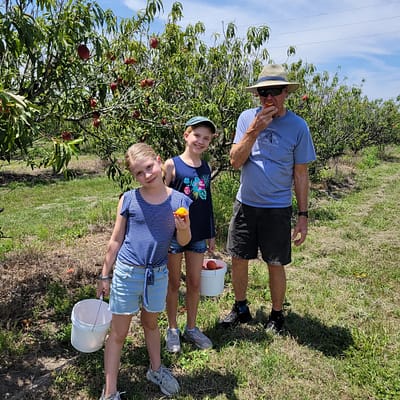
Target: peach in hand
pixel 181 212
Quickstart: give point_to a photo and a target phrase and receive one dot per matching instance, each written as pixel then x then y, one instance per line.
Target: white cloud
pixel 363 37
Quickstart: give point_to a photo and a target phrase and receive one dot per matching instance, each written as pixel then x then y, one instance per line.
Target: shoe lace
pixel 164 373
pixel 195 332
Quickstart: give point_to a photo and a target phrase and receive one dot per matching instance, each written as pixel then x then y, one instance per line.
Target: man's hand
pixel 300 231
pixel 262 120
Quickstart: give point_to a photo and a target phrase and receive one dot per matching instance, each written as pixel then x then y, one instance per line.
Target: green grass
pixel 40 212
pixel 342 304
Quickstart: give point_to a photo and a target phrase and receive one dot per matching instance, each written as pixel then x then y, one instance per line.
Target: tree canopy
pixel 75 78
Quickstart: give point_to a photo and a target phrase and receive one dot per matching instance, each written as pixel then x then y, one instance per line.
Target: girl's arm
pixel 114 244
pixel 169 171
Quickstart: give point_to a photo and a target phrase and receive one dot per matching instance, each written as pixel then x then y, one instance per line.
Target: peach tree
pixel 340 117
pixel 87 81
pixel 75 78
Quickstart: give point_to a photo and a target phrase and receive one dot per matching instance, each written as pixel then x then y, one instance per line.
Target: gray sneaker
pixel 198 338
pixel 173 340
pixel 115 396
pixel 164 379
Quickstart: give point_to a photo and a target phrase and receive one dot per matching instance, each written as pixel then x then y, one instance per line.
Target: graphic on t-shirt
pixel 196 187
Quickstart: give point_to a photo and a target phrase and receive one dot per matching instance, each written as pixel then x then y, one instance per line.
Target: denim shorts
pixel 199 246
pixel 128 289
pixel 265 229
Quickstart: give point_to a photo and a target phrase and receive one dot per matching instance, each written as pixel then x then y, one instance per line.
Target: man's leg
pixel 240 277
pixel 277 287
pixel 240 311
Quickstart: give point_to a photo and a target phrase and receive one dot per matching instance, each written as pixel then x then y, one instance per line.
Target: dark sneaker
pixel 238 314
pixel 275 325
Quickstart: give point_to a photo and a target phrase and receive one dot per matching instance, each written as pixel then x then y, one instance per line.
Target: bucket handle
pixel 98 311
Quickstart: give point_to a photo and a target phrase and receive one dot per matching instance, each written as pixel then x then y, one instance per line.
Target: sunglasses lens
pixel 274 91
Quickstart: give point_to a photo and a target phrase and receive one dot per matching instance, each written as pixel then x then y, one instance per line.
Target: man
pixel 273 147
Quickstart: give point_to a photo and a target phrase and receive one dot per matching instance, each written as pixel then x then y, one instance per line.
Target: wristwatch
pixel 303 214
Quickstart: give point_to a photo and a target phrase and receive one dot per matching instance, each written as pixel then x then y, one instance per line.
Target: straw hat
pixel 273 75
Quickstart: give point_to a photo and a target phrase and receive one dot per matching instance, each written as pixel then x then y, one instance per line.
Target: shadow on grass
pixel 252 331
pixel 207 384
pixel 308 331
pixel 332 341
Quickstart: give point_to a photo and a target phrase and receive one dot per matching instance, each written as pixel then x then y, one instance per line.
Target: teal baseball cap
pixel 199 120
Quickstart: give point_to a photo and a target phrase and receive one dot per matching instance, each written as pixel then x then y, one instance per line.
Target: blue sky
pixel 359 39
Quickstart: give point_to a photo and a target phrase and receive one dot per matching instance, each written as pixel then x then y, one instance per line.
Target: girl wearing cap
pixel 189 174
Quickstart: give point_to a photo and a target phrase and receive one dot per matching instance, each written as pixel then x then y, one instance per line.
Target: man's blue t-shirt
pixel 267 176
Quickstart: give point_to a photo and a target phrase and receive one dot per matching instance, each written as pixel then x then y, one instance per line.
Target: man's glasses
pixel 273 91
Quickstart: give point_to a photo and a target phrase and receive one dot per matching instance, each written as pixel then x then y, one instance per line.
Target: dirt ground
pixel 25 280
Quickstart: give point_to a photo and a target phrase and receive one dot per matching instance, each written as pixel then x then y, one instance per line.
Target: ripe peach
pixel 153 42
pixel 211 264
pixel 181 212
pixel 130 61
pixel 67 136
pixel 93 102
pixel 83 52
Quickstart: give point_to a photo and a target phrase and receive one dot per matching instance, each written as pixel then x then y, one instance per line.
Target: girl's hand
pixel 182 222
pixel 211 245
pixel 103 287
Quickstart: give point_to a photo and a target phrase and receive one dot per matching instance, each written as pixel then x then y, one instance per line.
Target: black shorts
pixel 267 229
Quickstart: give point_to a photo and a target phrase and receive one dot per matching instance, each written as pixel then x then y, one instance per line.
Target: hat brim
pixel 291 86
pixel 204 123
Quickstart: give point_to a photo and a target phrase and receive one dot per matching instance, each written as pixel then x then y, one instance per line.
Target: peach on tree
pixel 153 42
pixel 136 114
pixel 130 61
pixel 83 52
pixel 93 102
pixel 67 136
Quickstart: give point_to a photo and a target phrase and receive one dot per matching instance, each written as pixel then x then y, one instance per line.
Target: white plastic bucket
pixel 212 280
pixel 91 319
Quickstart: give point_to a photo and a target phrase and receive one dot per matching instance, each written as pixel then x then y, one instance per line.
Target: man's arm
pixel 301 188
